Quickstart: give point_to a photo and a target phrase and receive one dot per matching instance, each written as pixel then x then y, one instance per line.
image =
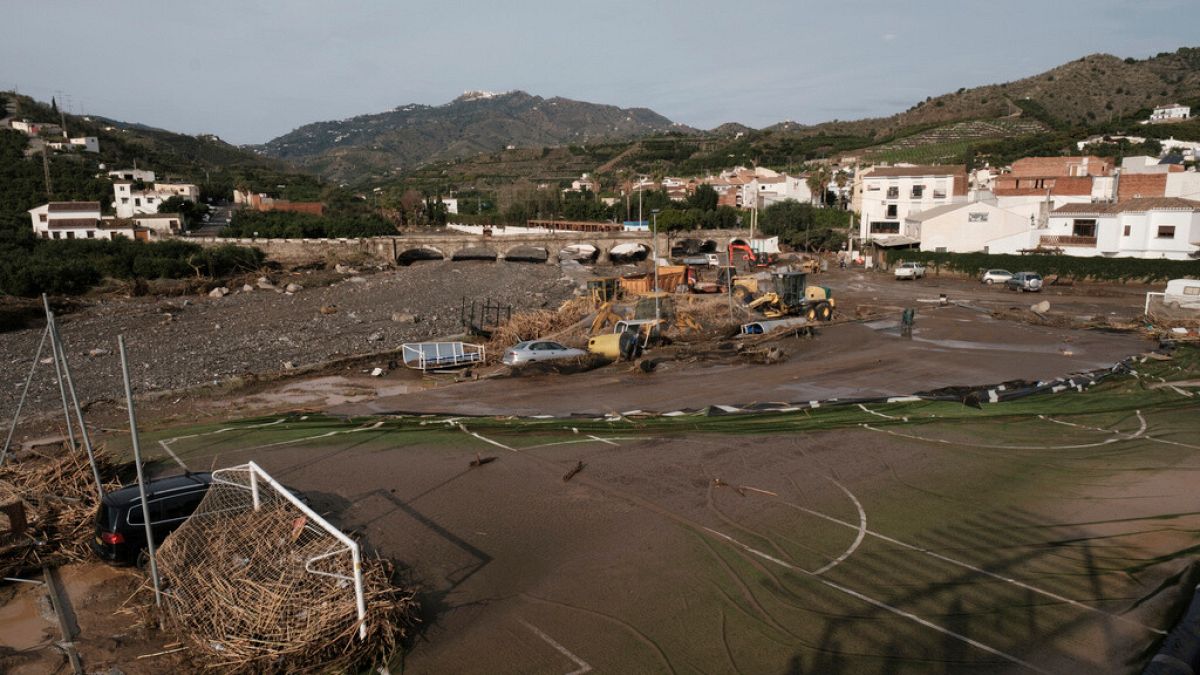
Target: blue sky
pixel 250 70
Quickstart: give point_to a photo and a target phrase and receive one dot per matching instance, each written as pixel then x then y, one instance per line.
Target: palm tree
pixel 818 182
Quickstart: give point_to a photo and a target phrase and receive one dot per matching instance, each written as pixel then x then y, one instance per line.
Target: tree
pixel 704 198
pixel 818 183
pixel 189 211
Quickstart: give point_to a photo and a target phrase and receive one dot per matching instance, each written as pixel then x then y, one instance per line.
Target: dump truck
pixel 792 296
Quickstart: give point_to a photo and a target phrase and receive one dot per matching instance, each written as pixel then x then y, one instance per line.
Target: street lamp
pixel 654 262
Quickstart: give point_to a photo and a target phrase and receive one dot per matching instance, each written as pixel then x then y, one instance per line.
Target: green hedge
pixel 71 267
pixel 283 225
pixel 1106 269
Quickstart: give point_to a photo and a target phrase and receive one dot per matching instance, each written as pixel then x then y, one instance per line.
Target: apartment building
pixel 886 196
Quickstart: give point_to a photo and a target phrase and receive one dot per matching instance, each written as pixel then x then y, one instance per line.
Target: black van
pixel 120 528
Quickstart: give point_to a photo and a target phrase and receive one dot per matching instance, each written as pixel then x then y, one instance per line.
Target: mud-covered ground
pixel 180 342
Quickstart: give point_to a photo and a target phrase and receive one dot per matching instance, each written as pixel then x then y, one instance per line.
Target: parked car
pixel 1025 281
pixel 120 527
pixel 910 271
pixel 539 350
pixel 995 277
pixel 703 260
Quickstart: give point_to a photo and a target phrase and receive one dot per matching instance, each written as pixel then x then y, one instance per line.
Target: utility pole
pixel 46 171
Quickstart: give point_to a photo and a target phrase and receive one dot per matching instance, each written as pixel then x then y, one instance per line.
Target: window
pixel 918 191
pixel 137 201
pixel 940 249
pixel 1084 228
pixel 91 234
pixel 939 193
pixel 42 217
pixel 1191 290
pixel 885 227
pixel 1128 230
pixel 980 217
pixel 70 235
pixel 893 192
pixel 124 200
pixel 872 188
pixel 891 211
pixel 56 235
pixel 1166 231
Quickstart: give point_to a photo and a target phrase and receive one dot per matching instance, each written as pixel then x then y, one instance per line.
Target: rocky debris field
pixel 267 325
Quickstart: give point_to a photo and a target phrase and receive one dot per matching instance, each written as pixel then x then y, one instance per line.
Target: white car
pixel 910 271
pixel 995 277
pixel 538 350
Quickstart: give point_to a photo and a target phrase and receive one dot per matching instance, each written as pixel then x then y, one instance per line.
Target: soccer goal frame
pixel 260 480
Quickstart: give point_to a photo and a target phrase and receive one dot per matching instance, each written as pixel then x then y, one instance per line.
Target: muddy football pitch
pixel 1051 534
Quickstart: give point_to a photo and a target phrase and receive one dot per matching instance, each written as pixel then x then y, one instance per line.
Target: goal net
pixel 254 573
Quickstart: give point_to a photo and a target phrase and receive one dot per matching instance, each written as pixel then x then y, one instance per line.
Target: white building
pixel 886 196
pixel 133 175
pixel 971 227
pixel 75 220
pixel 129 201
pixel 769 187
pixel 584 182
pixel 1172 112
pixel 86 143
pixel 1160 227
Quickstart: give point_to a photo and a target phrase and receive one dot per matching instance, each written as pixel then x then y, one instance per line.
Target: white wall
pixel 958 232
pixel 1141 242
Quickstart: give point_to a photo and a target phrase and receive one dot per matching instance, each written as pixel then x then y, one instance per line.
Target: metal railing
pixel 1067 240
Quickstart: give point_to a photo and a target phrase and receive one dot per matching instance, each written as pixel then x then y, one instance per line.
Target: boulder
pixel 404 317
pixel 246 288
pixel 375 337
pixel 293 288
pixel 218 292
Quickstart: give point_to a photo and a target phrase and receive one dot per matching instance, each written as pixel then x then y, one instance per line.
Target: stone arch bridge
pixel 450 245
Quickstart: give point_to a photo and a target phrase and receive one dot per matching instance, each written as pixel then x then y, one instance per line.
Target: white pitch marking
pixel 979 570
pixel 991 446
pixel 602 440
pixel 858 539
pixel 583 665
pixel 882 605
pixel 170 452
pixel 498 444
pixel 878 414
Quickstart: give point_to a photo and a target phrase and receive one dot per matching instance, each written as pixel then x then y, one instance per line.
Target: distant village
pixel 1083 205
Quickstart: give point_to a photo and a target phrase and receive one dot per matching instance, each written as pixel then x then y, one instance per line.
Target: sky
pixel 251 70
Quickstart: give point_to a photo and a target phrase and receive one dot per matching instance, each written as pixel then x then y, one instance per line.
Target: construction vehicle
pixel 793 297
pixel 742 252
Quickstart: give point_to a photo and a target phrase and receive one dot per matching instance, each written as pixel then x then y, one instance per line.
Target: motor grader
pixel 791 296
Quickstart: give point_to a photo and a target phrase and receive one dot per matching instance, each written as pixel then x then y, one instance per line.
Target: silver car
pixel 995 277
pixel 1025 282
pixel 539 350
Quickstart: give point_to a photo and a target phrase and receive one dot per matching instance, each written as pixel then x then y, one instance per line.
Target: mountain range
pixel 476 122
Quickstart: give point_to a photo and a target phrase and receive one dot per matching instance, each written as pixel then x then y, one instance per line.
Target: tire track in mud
pixel 637 634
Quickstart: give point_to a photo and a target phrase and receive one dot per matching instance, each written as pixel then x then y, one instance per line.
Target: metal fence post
pixel 254 489
pixel 62 387
pixel 137 461
pixel 83 432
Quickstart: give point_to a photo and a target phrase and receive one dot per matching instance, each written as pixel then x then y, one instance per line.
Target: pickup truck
pixel 910 271
pixel 707 259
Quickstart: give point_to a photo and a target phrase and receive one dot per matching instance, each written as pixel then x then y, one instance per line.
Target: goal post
pixel 257 476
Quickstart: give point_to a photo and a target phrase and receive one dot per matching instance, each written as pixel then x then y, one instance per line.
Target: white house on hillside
pixel 129 201
pixel 887 195
pixel 1172 112
pixel 1160 227
pixel 75 220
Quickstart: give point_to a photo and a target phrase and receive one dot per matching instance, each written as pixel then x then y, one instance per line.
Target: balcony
pixel 1067 240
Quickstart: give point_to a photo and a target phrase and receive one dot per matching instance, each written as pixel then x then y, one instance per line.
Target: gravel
pixel 177 342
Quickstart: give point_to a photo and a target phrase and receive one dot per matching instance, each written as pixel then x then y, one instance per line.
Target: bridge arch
pixel 581 252
pixel 418 254
pixel 628 252
pixel 527 253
